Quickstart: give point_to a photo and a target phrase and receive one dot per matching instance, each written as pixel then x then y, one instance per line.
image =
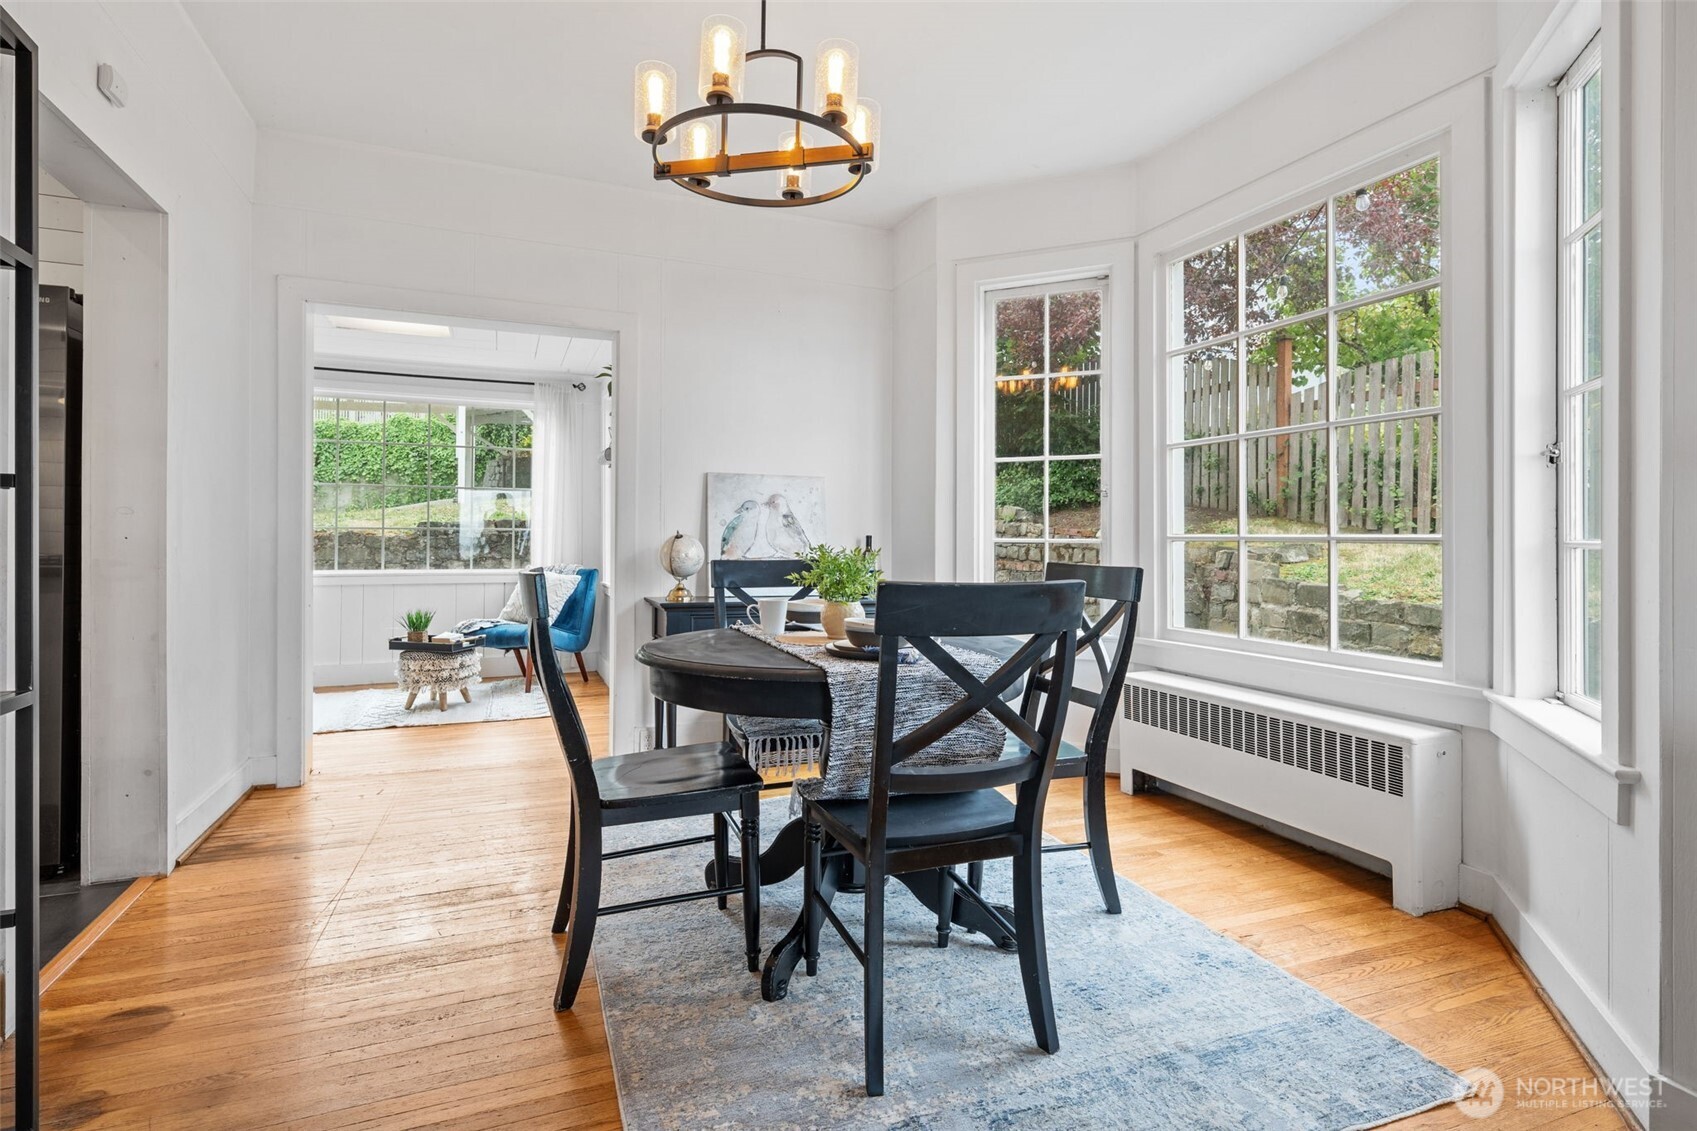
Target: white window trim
pixel 1576 748
pixel 1451 125
pixel 986 322
pixel 1112 263
pixel 1570 230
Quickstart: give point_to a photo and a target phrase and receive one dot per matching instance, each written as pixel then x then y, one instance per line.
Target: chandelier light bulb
pixel 1363 200
pixel 836 80
pixel 700 142
pixel 723 62
pixel 656 97
pixel 864 126
pixel 793 183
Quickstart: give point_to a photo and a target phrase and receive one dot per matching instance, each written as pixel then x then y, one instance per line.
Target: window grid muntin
pixel 1046 291
pixel 1574 228
pixel 349 408
pixel 1175 346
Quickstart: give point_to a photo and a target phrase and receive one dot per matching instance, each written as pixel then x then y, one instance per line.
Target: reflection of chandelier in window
pixel 705 163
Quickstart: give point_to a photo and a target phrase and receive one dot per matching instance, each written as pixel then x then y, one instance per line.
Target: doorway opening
pixel 448 455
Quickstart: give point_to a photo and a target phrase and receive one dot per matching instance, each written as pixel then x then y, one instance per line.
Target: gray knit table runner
pixel 922 691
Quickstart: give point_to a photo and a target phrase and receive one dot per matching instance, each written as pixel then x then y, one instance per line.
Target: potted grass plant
pixel 417 624
pixel 841 577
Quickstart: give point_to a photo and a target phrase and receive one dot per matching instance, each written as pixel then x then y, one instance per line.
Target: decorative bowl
pixel 862 632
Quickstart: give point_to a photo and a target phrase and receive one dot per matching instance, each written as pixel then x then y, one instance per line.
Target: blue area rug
pixel 1163 1023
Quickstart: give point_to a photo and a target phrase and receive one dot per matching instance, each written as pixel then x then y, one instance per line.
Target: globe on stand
pixel 682 557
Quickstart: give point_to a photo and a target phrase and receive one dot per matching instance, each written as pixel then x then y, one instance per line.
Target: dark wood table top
pixel 725 653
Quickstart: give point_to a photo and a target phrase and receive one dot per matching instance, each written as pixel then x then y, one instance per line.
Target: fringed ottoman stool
pixel 439 673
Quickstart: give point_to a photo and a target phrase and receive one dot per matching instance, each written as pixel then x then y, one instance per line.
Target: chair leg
pixel 721 854
pixel 813 914
pixel 524 665
pixel 1033 954
pixel 975 876
pixel 751 879
pixel 580 932
pixel 563 909
pixel 874 986
pixel 581 670
pixel 945 905
pixel 1096 833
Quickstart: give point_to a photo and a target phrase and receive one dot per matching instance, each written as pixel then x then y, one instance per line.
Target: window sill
pixel 1436 701
pixel 1568 745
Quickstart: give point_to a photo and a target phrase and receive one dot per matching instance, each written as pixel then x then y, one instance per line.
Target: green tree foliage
pixel 407 453
pixel 1386 236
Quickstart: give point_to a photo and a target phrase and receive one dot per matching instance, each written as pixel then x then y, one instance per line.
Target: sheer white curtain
pixel 560 473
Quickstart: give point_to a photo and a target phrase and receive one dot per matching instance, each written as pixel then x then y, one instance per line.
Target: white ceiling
pixel 466 348
pixel 972 92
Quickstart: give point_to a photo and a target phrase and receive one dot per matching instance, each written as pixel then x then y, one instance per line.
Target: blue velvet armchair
pixel 570 630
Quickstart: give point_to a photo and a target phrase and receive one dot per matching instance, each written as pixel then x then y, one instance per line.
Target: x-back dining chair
pixel 921 817
pixel 1120 588
pixel 706 779
pixel 734 578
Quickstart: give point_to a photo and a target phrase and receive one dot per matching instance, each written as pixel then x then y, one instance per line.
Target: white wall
pixel 60 252
pixel 735 313
pixel 1074 220
pixel 185 141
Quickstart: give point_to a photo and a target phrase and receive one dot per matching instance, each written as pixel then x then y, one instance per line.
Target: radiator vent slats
pixel 1371 763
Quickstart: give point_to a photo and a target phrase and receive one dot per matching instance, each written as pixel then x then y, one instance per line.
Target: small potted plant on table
pixel 841 577
pixel 417 624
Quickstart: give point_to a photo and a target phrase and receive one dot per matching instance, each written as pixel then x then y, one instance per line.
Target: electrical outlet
pixel 643 740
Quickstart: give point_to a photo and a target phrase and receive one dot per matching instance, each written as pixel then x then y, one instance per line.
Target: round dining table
pixel 730 672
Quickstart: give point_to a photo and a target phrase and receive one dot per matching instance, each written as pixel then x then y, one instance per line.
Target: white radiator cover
pixel 1380 785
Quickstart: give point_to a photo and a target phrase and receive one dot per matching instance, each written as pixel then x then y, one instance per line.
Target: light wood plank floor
pixel 372 951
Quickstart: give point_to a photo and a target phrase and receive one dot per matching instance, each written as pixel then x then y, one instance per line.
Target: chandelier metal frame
pixel 695 174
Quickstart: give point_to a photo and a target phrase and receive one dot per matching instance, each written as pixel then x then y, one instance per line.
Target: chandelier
pixel 705 162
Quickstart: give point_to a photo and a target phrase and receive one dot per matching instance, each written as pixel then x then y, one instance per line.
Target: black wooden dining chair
pixel 1120 588
pixel 709 778
pixel 923 817
pixel 734 578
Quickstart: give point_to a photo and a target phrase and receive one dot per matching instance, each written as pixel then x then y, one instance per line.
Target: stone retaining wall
pixel 1024 562
pixel 426 546
pixel 1290 609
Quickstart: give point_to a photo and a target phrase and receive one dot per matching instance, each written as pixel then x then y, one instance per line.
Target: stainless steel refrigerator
pixel 60 547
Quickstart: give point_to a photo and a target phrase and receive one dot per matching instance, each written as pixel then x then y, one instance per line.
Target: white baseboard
pixel 1585 1013
pixel 211 805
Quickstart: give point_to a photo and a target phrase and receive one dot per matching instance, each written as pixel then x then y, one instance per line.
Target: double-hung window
pixel 1045 350
pixel 1303 427
pixel 400 485
pixel 1579 382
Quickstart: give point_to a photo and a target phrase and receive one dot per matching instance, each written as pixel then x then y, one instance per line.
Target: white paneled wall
pixel 61 235
pixel 354 617
pixel 353 620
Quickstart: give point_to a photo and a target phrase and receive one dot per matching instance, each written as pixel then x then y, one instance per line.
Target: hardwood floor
pixel 372 951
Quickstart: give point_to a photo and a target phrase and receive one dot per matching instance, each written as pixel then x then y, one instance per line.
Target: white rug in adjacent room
pixel 377 708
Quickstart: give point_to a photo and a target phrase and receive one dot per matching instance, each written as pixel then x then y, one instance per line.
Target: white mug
pixel 769 614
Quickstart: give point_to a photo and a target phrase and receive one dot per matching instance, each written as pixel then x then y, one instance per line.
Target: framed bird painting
pixel 764 516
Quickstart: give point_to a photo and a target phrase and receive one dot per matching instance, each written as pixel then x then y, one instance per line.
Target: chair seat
pixel 930 818
pixel 629 780
pixel 1069 763
pixel 510 635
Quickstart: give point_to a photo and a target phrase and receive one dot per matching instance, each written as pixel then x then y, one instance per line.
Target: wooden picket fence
pixel 1386 478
